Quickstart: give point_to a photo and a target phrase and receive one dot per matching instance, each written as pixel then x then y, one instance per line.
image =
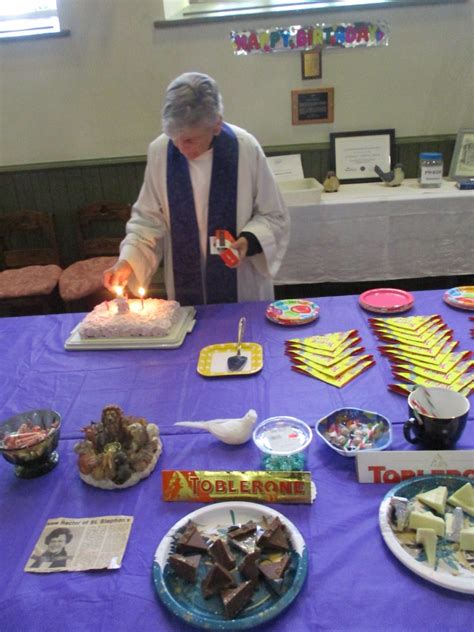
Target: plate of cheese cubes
pixel 428 524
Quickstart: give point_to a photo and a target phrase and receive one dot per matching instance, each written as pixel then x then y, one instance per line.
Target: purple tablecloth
pixel 354 582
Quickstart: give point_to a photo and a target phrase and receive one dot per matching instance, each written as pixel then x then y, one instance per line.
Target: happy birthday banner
pixel 308 37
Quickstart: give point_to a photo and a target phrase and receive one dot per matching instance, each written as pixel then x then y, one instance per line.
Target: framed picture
pixel 462 163
pixel 353 155
pixel 312 106
pixel 311 64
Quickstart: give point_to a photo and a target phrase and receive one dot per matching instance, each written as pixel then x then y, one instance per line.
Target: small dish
pixel 386 300
pixel 291 312
pixel 29 441
pixel 212 360
pixel 283 442
pixel 460 297
pixel 351 430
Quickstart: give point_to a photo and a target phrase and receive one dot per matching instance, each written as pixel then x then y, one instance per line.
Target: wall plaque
pixel 312 106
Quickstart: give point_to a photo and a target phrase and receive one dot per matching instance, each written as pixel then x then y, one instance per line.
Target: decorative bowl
pixel 351 430
pixel 283 442
pixel 29 441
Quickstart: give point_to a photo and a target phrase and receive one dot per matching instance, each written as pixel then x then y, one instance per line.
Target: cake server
pixel 236 362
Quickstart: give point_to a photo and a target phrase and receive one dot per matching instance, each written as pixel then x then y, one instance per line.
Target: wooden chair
pixel 100 229
pixel 29 263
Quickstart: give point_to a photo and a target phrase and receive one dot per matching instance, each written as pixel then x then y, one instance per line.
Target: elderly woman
pixel 203 175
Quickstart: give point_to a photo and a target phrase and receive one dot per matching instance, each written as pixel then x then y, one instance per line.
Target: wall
pixel 97 94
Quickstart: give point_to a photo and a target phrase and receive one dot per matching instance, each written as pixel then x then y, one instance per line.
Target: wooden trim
pixel 268 149
pixel 35 36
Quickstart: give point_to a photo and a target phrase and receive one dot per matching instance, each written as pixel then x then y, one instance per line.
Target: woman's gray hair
pixel 192 100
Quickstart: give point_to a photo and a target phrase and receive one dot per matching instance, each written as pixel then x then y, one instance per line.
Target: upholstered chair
pixel 100 229
pixel 29 263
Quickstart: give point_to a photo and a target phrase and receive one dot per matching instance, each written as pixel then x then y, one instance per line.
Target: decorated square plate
pixel 213 359
pixel 185 599
pixel 351 430
pixel 460 297
pixel 386 300
pixel 454 568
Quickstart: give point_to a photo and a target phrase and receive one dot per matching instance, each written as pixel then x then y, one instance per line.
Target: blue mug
pixel 437 417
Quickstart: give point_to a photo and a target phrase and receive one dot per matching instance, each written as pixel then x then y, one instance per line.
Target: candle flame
pixel 118 290
pixel 141 292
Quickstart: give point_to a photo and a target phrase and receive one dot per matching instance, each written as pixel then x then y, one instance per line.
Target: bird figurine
pixel 231 431
pixel 392 178
pixel 331 183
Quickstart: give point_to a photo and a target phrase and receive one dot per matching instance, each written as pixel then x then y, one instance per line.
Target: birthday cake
pixel 122 318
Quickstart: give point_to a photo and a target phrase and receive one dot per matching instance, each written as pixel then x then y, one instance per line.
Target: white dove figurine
pixel 231 431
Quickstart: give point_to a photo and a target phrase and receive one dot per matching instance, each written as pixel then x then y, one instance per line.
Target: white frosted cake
pixel 121 318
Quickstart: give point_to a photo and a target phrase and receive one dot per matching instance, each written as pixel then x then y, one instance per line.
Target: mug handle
pixel 407 426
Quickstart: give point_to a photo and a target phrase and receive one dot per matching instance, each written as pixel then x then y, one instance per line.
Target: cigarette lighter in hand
pixel 223 244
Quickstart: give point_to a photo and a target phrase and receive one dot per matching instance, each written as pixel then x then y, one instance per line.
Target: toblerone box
pixel 212 486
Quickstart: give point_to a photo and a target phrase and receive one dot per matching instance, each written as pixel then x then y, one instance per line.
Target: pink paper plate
pixel 386 300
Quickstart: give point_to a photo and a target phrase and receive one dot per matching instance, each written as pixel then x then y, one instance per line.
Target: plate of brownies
pixel 230 566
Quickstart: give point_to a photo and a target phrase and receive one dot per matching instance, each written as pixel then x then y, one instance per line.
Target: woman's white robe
pixel 260 210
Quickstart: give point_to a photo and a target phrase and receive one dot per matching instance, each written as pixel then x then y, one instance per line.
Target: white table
pixel 369 232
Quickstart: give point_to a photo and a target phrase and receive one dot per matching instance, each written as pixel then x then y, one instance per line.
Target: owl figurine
pixel 331 183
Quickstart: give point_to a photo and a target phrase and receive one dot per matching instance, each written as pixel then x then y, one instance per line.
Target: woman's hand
pixel 241 245
pixel 117 275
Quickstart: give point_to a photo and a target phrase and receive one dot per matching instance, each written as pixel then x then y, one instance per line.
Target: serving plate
pixel 292 312
pixel 185 600
pixel 341 416
pixel 455 569
pixel 174 339
pixel 212 360
pixel 460 297
pixel 386 300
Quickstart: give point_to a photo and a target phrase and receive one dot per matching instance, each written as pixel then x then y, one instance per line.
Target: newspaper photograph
pixel 80 544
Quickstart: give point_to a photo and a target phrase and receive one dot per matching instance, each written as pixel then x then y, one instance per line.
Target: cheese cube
pixel 426 519
pixel 427 537
pixel 464 498
pixel 435 498
pixel 466 539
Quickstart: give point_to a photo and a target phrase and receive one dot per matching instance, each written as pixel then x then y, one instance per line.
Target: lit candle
pixel 141 291
pixel 118 290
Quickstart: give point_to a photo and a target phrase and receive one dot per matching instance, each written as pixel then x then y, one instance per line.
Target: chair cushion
pixel 84 277
pixel 29 281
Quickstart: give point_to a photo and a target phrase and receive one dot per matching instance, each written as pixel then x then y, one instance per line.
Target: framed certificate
pixel 462 163
pixel 353 155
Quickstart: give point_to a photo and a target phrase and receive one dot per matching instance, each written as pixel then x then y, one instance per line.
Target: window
pixel 197 11
pixel 27 18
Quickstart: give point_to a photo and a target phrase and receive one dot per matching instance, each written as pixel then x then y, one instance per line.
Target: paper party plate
pixel 461 297
pixel 291 312
pixel 386 300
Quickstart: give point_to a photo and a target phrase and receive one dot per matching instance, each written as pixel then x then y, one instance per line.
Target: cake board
pixel 174 339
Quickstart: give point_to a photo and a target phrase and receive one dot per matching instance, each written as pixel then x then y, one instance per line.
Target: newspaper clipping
pixel 80 544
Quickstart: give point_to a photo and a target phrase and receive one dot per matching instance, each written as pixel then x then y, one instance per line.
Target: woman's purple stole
pixel 221 281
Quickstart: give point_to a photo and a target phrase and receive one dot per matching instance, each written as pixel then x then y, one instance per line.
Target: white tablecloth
pixel 368 232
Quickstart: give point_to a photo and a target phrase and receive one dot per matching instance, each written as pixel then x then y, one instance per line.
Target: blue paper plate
pixel 185 600
pixel 455 569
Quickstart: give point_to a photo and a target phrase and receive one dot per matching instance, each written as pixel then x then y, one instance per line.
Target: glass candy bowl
pixel 283 442
pixel 29 441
